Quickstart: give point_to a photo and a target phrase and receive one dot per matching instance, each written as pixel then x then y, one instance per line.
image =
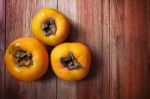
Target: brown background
pixel 116 31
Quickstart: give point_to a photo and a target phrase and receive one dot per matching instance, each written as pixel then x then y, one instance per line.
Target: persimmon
pixel 50 26
pixel 26 59
pixel 71 61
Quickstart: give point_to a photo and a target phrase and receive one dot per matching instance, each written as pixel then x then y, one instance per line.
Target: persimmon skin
pixel 61 21
pixel 39 57
pixel 81 54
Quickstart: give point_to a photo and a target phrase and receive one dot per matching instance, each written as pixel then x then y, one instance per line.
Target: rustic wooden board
pixel 117 33
pixel 2 48
pixel 18 24
pixel 128 51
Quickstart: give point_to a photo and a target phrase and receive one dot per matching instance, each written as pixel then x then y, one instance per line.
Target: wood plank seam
pixel 5 49
pixel 56 77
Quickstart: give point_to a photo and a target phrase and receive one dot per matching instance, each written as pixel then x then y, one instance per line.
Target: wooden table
pixel 117 33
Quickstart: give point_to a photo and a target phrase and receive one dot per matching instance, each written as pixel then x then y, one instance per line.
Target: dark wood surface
pixel 117 33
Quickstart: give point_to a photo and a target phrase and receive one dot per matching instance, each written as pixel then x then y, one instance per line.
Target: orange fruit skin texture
pixel 81 54
pixel 61 21
pixel 39 57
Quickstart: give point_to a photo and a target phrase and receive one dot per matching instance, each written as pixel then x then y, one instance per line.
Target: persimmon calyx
pixel 70 62
pixel 49 27
pixel 23 58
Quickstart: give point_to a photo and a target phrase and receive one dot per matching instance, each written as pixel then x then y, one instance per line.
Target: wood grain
pixel 136 49
pixel 147 86
pixel 129 49
pixel 2 48
pixel 93 30
pixel 148 26
pixel 18 24
pixel 67 90
pixel 117 33
pixel 117 46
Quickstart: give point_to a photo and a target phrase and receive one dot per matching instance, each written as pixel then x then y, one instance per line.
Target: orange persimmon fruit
pixel 50 26
pixel 71 61
pixel 26 59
